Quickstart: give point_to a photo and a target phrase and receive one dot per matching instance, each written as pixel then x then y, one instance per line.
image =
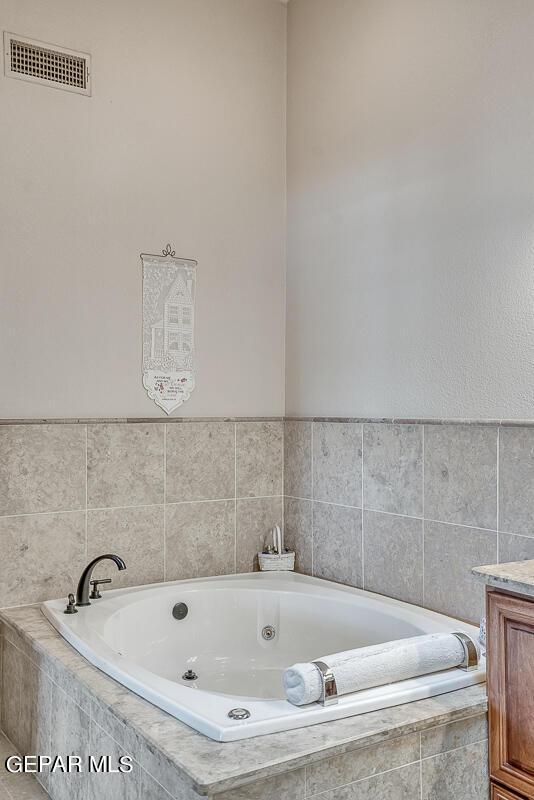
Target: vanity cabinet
pixel 510 628
pixel 498 793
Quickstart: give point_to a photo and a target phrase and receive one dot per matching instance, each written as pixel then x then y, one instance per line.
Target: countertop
pixel 516 576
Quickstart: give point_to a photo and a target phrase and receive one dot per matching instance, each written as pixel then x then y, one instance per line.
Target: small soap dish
pixel 273 561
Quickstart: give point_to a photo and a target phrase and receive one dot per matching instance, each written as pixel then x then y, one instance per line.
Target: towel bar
pixel 470 661
pixel 329 688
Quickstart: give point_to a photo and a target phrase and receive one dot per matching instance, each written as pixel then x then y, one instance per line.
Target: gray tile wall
pixel 403 509
pixel 407 509
pixel 175 500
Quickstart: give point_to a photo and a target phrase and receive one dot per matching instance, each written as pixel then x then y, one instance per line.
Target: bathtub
pixel 238 635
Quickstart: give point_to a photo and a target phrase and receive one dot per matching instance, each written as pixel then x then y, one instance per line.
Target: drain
pixel 189 675
pixel 239 713
pixel 268 632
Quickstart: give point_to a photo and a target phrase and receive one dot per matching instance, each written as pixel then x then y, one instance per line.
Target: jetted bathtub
pixel 239 633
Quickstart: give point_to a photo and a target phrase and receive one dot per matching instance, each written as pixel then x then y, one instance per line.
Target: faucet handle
pixel 95 594
pixel 71 606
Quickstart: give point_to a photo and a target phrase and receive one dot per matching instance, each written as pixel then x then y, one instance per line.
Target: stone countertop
pixel 209 766
pixel 516 576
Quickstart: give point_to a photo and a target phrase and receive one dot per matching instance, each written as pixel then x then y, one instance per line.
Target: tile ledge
pixel 211 767
pixel 517 423
pixel 133 420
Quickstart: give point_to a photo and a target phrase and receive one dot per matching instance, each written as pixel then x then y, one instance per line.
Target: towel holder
pixel 329 695
pixel 471 658
pixel 329 687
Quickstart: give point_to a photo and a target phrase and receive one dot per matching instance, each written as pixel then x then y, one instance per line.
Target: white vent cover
pixel 47 64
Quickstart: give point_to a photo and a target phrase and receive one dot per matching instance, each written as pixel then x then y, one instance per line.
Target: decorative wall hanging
pixel 168 328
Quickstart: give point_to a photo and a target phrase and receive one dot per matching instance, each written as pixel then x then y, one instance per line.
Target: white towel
pixel 376 665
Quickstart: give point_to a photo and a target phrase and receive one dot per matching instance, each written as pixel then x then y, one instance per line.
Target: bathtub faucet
pixel 82 593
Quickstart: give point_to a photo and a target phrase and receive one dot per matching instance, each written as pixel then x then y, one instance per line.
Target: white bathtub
pixel 132 635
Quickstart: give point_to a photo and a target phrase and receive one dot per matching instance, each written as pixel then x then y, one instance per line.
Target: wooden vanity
pixel 510 663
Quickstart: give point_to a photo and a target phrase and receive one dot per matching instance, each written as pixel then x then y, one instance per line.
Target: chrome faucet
pixel 82 593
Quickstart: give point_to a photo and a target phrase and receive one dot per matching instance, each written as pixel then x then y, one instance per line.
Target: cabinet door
pixel 511 691
pixel 498 793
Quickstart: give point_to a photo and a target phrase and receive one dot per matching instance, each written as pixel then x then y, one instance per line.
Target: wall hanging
pixel 168 328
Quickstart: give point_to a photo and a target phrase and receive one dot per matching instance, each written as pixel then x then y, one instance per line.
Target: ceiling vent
pixel 47 64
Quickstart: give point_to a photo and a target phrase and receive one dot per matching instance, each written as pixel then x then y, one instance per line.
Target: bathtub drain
pixel 189 675
pixel 268 632
pixel 239 713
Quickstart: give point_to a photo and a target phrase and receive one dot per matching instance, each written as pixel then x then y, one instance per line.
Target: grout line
pixel 125 508
pixel 284 480
pixel 454 721
pixel 498 510
pixel 330 503
pixel 408 516
pixel 165 502
pixel 312 492
pixel 363 515
pixel 454 749
pixel 423 470
pixel 522 535
pixel 423 529
pixel 421 764
pixel 44 513
pixel 329 792
pixel 86 491
pixel 235 497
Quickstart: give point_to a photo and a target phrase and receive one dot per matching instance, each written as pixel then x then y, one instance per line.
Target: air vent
pixel 49 65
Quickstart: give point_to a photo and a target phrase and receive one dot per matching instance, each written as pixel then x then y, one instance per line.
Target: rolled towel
pixel 376 665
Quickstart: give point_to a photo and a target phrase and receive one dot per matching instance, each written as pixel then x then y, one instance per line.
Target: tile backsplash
pixel 400 508
pixel 406 509
pixel 175 500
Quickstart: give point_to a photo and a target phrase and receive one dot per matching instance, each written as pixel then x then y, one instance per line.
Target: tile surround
pixel 456 773
pixel 360 764
pixel 337 543
pixel 515 548
pixel 124 465
pixel 461 475
pixel 298 528
pixel 42 468
pixel 298 459
pixel 337 462
pixel 324 472
pixel 516 480
pixel 71 491
pixel 55 512
pixel 137 534
pixel 199 539
pixel 254 518
pixel 259 459
pixel 429 501
pixel 42 556
pixel 454 735
pixel 450 553
pixel 393 468
pixel 393 556
pixel 200 462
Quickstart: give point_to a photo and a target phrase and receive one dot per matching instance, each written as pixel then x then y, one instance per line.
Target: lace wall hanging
pixel 168 328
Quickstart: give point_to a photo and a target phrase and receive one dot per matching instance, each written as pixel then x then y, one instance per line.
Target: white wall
pixel 411 208
pixel 183 140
